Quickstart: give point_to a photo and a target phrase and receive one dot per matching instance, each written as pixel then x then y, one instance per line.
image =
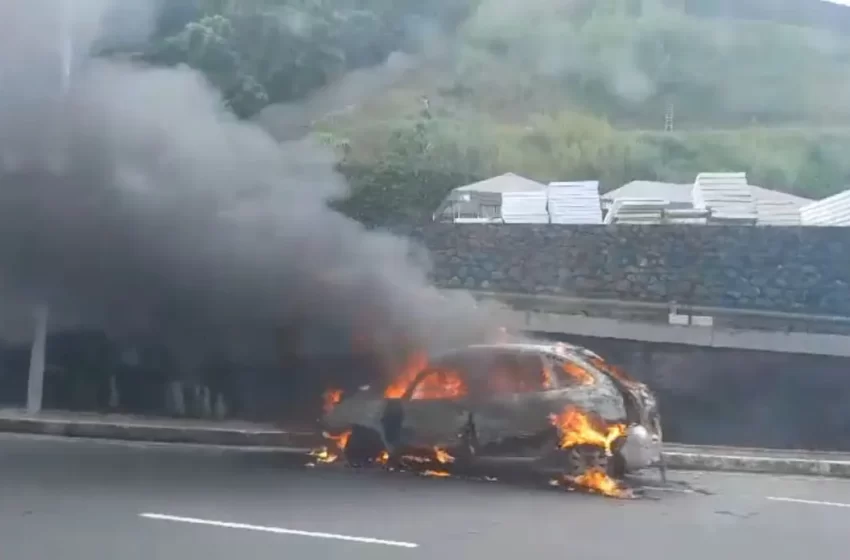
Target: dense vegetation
pixel 553 89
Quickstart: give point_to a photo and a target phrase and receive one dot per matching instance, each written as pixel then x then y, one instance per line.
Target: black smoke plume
pixel 131 200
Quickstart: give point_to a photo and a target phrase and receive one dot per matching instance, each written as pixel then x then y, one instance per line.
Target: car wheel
pixel 468 444
pixel 581 458
pixel 364 447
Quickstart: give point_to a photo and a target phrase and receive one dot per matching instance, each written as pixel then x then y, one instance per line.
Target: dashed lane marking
pixel 807 502
pixel 275 530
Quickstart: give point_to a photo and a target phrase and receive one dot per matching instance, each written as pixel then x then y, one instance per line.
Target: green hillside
pixel 553 89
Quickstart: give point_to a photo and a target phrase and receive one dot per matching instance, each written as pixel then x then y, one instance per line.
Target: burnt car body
pixel 504 409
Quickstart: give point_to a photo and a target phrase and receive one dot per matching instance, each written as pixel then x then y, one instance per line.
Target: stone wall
pixel 775 268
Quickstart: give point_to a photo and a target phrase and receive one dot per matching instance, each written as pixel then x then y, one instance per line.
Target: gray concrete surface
pixel 136 428
pixel 814 344
pixel 248 435
pixel 88 500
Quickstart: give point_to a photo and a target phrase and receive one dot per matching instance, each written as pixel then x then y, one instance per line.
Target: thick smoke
pixel 133 201
pixel 596 50
pixel 728 55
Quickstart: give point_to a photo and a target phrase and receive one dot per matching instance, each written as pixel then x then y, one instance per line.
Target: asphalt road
pixel 84 500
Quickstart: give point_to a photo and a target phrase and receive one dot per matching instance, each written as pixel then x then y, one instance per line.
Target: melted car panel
pixel 507 392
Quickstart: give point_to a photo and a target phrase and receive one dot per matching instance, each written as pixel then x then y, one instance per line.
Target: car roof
pixel 543 347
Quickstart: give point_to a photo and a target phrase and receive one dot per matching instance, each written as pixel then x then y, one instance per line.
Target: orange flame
pixel 443 456
pixel 330 399
pixel 341 440
pixel 576 428
pixel 596 479
pixel 439 455
pixel 324 455
pixel 436 474
pixel 327 455
pixel 578 373
pixel 440 385
pixel 416 363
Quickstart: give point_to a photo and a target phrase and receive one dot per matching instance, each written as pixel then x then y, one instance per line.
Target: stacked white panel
pixel 636 211
pixel 777 213
pixel 575 202
pixel 831 211
pixel 524 207
pixel 727 195
pixel 693 216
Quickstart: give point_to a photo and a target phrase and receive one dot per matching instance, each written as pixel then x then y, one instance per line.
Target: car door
pixel 509 417
pixel 435 409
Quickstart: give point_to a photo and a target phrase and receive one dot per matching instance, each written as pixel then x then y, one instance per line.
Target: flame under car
pixel 560 406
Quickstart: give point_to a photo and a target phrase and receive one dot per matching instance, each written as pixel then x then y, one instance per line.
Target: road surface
pixel 87 500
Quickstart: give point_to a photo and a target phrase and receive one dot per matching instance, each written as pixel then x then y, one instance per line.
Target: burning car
pixel 562 407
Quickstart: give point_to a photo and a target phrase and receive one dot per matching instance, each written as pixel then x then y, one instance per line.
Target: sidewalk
pixel 147 429
pixel 247 434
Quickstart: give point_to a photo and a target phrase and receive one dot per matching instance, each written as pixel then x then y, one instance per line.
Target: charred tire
pixel 468 444
pixel 364 446
pixel 617 465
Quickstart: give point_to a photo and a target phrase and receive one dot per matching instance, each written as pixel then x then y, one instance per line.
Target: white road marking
pixel 276 530
pixel 666 489
pixel 809 502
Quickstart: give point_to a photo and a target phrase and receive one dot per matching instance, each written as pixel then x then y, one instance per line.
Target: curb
pixel 758 461
pixel 154 433
pixel 679 460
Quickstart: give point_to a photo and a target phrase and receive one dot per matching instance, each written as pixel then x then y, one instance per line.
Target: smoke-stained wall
pixel 799 269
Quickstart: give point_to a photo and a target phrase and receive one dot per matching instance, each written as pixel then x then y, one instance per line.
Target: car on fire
pixel 559 405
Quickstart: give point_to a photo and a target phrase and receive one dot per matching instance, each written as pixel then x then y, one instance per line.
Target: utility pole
pixel 38 351
pixel 66 47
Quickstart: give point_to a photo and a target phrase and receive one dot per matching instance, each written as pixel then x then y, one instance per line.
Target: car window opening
pixel 510 374
pixel 440 384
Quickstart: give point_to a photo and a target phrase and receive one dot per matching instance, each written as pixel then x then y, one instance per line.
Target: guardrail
pixel 672 313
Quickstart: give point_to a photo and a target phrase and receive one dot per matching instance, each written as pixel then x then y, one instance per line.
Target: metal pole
pixel 35 385
pixel 38 352
pixel 66 46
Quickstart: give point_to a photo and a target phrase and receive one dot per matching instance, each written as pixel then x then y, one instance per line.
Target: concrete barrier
pixel 771 461
pixel 154 430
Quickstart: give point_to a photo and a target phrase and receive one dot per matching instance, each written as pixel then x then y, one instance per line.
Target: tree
pixel 540 88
